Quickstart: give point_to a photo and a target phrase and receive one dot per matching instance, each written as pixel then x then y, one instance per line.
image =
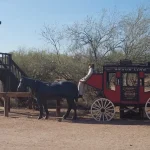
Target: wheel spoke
pixel 109 114
pixel 107 111
pixel 103 117
pixel 107 104
pixel 95 107
pixel 99 104
pixel 109 107
pixel 96 112
pixel 106 117
pixel 98 117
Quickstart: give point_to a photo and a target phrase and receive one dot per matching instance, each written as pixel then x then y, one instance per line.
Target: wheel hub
pixel 102 110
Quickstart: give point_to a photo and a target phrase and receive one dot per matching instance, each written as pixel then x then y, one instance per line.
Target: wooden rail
pixel 7 63
pixel 7 95
pixel 15 94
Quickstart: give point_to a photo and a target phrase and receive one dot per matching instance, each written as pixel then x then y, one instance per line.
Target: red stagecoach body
pixel 123 83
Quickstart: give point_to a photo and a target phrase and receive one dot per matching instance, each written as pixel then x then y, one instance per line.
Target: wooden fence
pixel 8 95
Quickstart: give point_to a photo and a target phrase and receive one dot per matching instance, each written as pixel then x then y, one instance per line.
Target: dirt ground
pixel 22 131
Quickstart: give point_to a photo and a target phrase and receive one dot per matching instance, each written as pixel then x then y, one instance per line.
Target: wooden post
pixel 7 95
pixel 6 99
pixel 58 108
pixel 8 104
pixel 9 90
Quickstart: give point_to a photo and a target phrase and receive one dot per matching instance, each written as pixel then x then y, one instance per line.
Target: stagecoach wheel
pixel 147 108
pixel 102 110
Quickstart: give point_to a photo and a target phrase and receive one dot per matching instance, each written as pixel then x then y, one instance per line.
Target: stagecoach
pixel 122 84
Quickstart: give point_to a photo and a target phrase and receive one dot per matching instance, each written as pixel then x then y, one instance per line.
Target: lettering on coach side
pixel 135 69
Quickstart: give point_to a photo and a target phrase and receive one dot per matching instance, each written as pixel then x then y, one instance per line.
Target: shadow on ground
pixel 83 117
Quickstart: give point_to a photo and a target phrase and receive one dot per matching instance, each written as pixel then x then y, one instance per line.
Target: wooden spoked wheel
pixel 147 108
pixel 102 110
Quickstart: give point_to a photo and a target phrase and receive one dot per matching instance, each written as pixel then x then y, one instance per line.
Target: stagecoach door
pixel 129 86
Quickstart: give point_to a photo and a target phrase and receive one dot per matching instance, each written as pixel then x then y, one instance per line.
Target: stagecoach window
pixel 130 79
pixel 111 81
pixel 147 83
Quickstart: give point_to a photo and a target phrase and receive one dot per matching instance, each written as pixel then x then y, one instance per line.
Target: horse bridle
pixel 33 91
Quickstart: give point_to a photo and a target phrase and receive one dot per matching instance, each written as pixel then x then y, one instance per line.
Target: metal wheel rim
pixel 101 105
pixel 147 108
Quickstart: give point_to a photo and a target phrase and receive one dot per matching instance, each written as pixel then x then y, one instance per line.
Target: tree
pixel 67 66
pixel 134 34
pixel 53 37
pixel 93 38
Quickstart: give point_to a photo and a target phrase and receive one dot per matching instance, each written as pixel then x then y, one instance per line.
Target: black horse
pixel 46 91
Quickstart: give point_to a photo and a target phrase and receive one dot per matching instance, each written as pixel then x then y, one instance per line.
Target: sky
pixel 23 20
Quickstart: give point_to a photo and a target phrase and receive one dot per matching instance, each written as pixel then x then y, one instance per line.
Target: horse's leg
pixel 68 110
pixel 41 112
pixel 75 110
pixel 46 109
pixel 41 108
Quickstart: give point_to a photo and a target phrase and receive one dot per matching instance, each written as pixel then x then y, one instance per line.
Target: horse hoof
pixel 40 117
pixel 46 117
pixel 64 117
pixel 74 118
pixel 60 120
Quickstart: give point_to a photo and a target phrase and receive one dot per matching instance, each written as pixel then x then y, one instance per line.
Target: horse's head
pixel 26 82
pixel 22 87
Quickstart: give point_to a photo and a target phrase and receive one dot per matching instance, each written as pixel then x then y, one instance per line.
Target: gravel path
pixel 26 132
